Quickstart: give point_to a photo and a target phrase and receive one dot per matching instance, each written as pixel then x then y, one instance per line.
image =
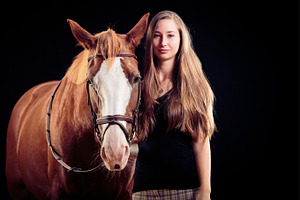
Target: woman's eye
pixel 171 35
pixel 156 35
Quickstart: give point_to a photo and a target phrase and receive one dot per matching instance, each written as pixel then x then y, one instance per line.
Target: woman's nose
pixel 163 41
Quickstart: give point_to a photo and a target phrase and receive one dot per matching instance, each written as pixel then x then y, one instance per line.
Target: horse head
pixel 114 76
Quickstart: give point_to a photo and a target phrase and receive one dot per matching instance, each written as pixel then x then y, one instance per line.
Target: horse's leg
pixel 18 190
pixel 57 192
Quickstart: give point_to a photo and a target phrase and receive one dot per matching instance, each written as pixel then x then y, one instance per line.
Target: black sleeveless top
pixel 165 160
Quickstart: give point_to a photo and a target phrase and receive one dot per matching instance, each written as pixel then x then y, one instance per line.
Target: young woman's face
pixel 166 40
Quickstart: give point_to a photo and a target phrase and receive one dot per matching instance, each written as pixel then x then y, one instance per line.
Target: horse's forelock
pixel 109 45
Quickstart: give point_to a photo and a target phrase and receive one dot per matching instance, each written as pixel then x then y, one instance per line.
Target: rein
pixel 109 119
pixel 54 152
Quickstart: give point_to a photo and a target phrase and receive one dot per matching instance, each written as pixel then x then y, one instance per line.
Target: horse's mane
pixel 107 43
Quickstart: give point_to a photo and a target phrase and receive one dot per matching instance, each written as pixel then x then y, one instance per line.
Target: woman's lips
pixel 163 51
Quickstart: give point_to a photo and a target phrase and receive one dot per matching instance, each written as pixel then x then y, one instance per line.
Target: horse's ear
pixel 137 32
pixel 84 38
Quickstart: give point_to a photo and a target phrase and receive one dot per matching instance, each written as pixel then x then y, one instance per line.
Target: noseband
pixel 114 119
pixel 109 119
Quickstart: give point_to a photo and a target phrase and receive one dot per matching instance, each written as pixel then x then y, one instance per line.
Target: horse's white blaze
pixel 114 88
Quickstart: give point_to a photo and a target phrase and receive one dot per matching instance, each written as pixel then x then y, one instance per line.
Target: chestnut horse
pixel 89 126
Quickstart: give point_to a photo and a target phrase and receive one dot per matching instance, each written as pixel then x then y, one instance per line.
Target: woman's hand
pixel 203 195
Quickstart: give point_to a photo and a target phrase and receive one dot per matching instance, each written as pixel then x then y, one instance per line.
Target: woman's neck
pixel 165 69
pixel 165 76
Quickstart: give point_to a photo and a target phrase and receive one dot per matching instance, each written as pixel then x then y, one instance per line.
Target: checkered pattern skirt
pixel 166 194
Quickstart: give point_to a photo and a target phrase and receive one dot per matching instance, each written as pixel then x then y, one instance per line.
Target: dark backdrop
pixel 249 52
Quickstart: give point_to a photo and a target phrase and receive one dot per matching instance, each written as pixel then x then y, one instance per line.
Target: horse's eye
pixel 136 79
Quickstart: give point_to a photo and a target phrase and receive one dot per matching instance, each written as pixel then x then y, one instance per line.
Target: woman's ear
pixel 86 39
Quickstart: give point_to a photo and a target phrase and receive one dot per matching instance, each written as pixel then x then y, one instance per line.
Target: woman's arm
pixel 203 163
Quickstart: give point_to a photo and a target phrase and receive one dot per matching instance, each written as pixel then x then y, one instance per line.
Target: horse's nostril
pixel 117 166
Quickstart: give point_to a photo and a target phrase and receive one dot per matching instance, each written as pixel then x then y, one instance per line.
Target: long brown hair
pixel 190 106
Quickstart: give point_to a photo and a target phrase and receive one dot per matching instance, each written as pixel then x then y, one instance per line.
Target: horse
pixel 71 139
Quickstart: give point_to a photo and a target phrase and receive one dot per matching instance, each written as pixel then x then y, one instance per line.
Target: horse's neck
pixel 72 127
pixel 72 105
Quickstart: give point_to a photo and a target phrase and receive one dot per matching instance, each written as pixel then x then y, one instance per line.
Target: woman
pixel 176 121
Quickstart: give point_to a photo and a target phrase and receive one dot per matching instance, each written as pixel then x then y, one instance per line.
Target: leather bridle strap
pixel 115 120
pixel 53 151
pixel 122 54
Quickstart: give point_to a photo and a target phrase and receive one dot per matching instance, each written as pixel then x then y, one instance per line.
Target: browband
pixel 122 54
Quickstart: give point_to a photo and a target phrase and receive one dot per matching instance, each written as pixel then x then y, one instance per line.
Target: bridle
pixel 97 121
pixel 123 54
pixel 115 119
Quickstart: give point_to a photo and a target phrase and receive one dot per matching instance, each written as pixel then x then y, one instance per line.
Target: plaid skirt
pixel 166 194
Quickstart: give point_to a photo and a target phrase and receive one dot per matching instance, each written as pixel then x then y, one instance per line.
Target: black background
pixel 249 52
